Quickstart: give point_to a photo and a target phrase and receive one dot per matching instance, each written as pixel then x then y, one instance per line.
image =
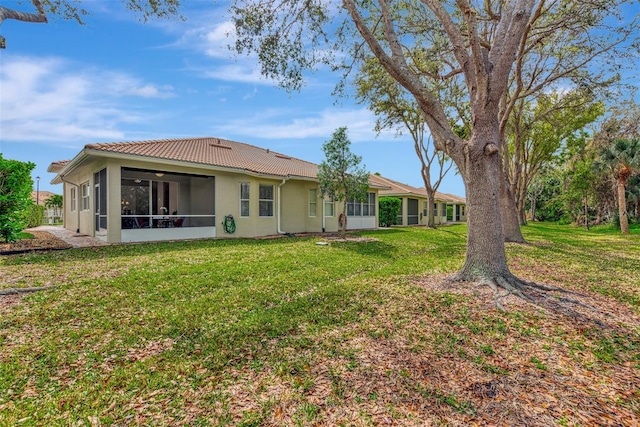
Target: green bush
pixel 35 215
pixel 389 211
pixel 15 197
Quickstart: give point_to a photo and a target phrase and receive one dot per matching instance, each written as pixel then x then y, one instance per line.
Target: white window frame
pixel 313 202
pixel 74 199
pixel 86 196
pixel 271 201
pixel 330 202
pixel 245 201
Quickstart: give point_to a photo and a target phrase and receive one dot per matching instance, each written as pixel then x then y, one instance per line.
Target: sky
pixel 115 79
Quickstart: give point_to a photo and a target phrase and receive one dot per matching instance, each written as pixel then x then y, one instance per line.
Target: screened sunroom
pixel 161 205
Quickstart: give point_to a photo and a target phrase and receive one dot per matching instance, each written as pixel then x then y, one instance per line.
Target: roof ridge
pixel 149 141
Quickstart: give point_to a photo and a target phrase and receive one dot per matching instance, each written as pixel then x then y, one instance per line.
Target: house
pixel 197 188
pixel 447 207
pixel 51 214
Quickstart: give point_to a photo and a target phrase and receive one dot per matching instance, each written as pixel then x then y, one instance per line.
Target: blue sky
pixel 63 85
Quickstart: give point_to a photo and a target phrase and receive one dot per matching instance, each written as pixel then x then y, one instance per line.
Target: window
pixel 265 194
pixel 328 206
pixel 462 210
pixel 244 199
pixel 443 209
pixel 313 202
pixel 161 199
pixel 366 208
pixel 100 199
pixel 74 200
pixel 84 188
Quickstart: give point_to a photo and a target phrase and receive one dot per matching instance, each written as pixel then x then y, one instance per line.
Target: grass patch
pixel 286 332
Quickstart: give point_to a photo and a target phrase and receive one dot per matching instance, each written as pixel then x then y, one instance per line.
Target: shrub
pixel 15 196
pixel 389 211
pixel 35 215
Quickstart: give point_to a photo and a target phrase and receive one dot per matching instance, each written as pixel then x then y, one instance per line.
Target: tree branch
pixel 6 13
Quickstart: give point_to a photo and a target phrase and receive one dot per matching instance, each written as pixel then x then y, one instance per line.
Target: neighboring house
pixel 414 203
pixel 187 188
pixel 51 214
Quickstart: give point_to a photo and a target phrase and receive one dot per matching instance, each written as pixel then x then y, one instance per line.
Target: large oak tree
pixel 482 39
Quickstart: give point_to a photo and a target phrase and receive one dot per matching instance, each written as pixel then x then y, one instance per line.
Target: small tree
pixel 389 211
pixel 15 196
pixel 55 203
pixel 340 174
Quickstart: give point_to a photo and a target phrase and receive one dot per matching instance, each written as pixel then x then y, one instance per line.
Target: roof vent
pixel 219 145
pixel 267 150
pixel 282 156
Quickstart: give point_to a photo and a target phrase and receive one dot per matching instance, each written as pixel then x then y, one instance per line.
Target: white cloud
pixel 218 40
pixel 277 124
pixel 49 99
pixel 238 72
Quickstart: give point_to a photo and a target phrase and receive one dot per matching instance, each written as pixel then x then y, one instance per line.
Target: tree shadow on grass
pixel 368 248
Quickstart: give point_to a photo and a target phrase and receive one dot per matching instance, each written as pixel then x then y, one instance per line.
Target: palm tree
pixel 622 158
pixel 54 202
pixel 633 194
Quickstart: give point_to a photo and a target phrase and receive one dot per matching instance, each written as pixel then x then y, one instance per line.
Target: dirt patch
pixel 42 240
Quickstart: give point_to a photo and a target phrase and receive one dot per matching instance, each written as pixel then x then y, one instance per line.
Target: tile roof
pixel 235 155
pixel 214 152
pixel 56 167
pixel 41 195
pixel 397 188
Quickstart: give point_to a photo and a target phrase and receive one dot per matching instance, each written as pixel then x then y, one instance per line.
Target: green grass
pixel 175 329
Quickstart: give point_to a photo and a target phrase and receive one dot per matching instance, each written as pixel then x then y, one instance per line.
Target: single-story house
pixel 414 203
pixel 197 188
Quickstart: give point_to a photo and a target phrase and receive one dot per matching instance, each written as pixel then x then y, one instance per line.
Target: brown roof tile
pixel 57 166
pixel 215 152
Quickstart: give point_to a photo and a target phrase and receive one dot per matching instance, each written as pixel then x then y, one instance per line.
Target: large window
pixel 366 208
pixel 265 200
pixel 244 199
pixel 313 202
pixel 85 190
pixel 74 199
pixel 154 199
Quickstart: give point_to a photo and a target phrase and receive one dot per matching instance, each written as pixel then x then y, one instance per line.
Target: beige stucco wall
pixel 294 203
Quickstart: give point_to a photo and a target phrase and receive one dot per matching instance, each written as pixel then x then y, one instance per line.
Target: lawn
pixel 288 332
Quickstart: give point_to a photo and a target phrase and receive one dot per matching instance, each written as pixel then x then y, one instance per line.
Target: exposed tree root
pixel 17 291
pixel 542 295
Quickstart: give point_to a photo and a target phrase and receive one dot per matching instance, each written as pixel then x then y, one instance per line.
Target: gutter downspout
pixel 77 210
pixel 323 217
pixel 284 180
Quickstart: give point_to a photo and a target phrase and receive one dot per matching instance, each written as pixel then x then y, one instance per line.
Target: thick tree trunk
pixel 622 207
pixel 486 259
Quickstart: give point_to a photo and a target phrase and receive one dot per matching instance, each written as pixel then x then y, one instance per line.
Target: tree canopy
pixel 340 174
